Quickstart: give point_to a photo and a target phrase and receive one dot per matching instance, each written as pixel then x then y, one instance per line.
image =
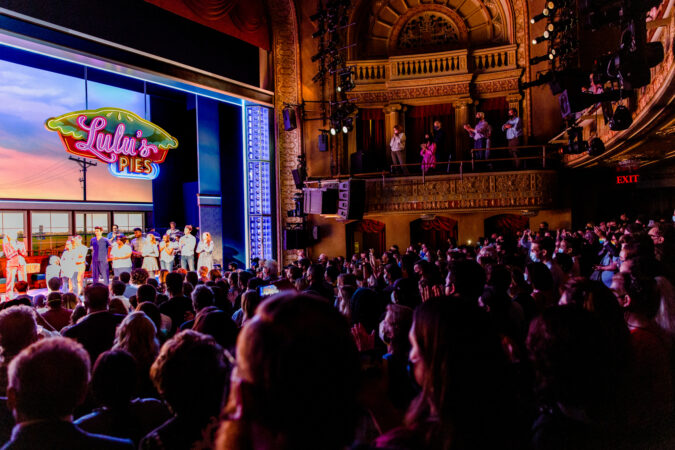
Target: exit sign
pixel 627 179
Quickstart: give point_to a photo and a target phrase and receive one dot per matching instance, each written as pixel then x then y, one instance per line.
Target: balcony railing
pixel 433 65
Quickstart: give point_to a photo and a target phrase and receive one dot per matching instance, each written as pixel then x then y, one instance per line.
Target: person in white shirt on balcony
pixel 397 145
pixel 514 134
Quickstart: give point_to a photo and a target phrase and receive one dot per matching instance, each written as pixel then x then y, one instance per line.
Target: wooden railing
pixel 431 65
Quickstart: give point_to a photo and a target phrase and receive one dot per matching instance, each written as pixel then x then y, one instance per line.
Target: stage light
pixel 538 59
pixel 541 16
pixel 621 119
pixel 550 27
pixel 596 147
pixel 348 125
pixel 333 131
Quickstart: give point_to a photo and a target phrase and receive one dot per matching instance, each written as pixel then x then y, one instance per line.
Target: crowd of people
pixel 546 339
pixel 151 251
pixel 433 145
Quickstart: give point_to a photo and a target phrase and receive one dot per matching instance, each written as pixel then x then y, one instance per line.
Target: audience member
pixel 96 330
pixel 295 384
pixel 190 374
pixel 44 414
pixel 18 329
pixel 120 413
pixel 56 315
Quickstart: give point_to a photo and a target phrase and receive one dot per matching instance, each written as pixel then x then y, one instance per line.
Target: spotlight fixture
pixel 346 83
pixel 541 16
pixel 348 125
pixel 538 59
pixel 596 147
pixel 544 37
pixel 621 119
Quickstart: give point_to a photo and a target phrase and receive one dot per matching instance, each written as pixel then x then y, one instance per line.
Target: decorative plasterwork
pixel 505 190
pixel 410 93
pixel 424 12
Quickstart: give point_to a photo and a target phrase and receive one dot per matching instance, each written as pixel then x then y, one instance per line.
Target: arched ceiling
pixel 386 28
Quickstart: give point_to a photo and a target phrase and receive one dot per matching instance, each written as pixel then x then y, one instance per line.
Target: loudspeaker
pixel 299 176
pixel 295 239
pixel 323 142
pixel 290 122
pixel 360 162
pixel 351 199
pixel 320 201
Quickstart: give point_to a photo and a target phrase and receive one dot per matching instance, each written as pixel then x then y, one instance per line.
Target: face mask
pixel 525 277
pixel 673 218
pixel 533 257
pixel 560 250
pixel 411 376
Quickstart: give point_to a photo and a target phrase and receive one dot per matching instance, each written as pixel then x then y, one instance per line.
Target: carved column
pixel 287 90
pixel 394 114
pixel 462 117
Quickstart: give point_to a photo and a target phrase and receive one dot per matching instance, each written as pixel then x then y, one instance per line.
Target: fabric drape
pixel 371 137
pixel 420 120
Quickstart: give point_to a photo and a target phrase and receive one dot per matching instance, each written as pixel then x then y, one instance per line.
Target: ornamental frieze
pixel 507 190
pixel 410 93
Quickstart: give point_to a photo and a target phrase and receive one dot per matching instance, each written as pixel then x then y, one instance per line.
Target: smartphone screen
pixel 266 291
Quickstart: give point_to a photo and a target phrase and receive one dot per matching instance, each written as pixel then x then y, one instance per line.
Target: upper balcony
pixel 452 67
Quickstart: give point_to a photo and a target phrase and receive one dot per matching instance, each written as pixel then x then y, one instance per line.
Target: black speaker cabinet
pixel 351 199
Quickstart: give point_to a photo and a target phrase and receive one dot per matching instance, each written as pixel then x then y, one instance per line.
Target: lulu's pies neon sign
pixel 131 146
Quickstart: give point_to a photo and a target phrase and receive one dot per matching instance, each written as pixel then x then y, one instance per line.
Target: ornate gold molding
pixel 287 90
pixel 504 190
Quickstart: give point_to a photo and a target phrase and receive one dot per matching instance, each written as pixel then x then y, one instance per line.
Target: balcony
pixel 468 186
pixel 446 67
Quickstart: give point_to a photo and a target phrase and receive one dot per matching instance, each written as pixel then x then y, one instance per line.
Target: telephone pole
pixel 84 164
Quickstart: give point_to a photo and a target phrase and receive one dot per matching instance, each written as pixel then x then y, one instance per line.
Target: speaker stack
pixel 351 199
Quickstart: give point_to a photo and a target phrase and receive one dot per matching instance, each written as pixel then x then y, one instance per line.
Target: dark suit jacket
pixel 95 331
pixel 58 435
pixel 20 300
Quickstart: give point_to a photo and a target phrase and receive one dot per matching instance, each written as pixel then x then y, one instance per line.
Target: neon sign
pixel 131 146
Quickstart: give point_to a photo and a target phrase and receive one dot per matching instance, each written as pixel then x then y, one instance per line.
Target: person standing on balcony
pixel 480 135
pixel 442 155
pixel 428 152
pixel 514 134
pixel 397 145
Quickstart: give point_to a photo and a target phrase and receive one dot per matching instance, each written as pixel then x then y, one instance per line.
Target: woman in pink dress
pixel 428 152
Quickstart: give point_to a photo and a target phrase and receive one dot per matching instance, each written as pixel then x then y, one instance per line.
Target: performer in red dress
pixel 15 252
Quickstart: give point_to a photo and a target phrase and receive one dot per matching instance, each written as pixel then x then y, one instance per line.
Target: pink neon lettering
pixel 93 144
pixel 108 146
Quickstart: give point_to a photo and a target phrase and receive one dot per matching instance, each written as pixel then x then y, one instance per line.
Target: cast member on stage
pixel 173 232
pixel 120 255
pixel 186 245
pixel 112 236
pixel 166 252
pixel 68 268
pixel 80 251
pixel 205 251
pixel 137 248
pixel 428 152
pixel 14 251
pixel 150 254
pixel 99 258
pixel 53 269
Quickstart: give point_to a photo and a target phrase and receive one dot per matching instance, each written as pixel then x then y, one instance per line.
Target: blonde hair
pixel 137 335
pixel 206 233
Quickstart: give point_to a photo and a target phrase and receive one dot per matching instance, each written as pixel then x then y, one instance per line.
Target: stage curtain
pixel 440 223
pixel 370 226
pixel 370 137
pixel 506 224
pixel 243 19
pixel 420 120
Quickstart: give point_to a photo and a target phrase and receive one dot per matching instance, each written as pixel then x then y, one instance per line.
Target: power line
pixel 84 164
